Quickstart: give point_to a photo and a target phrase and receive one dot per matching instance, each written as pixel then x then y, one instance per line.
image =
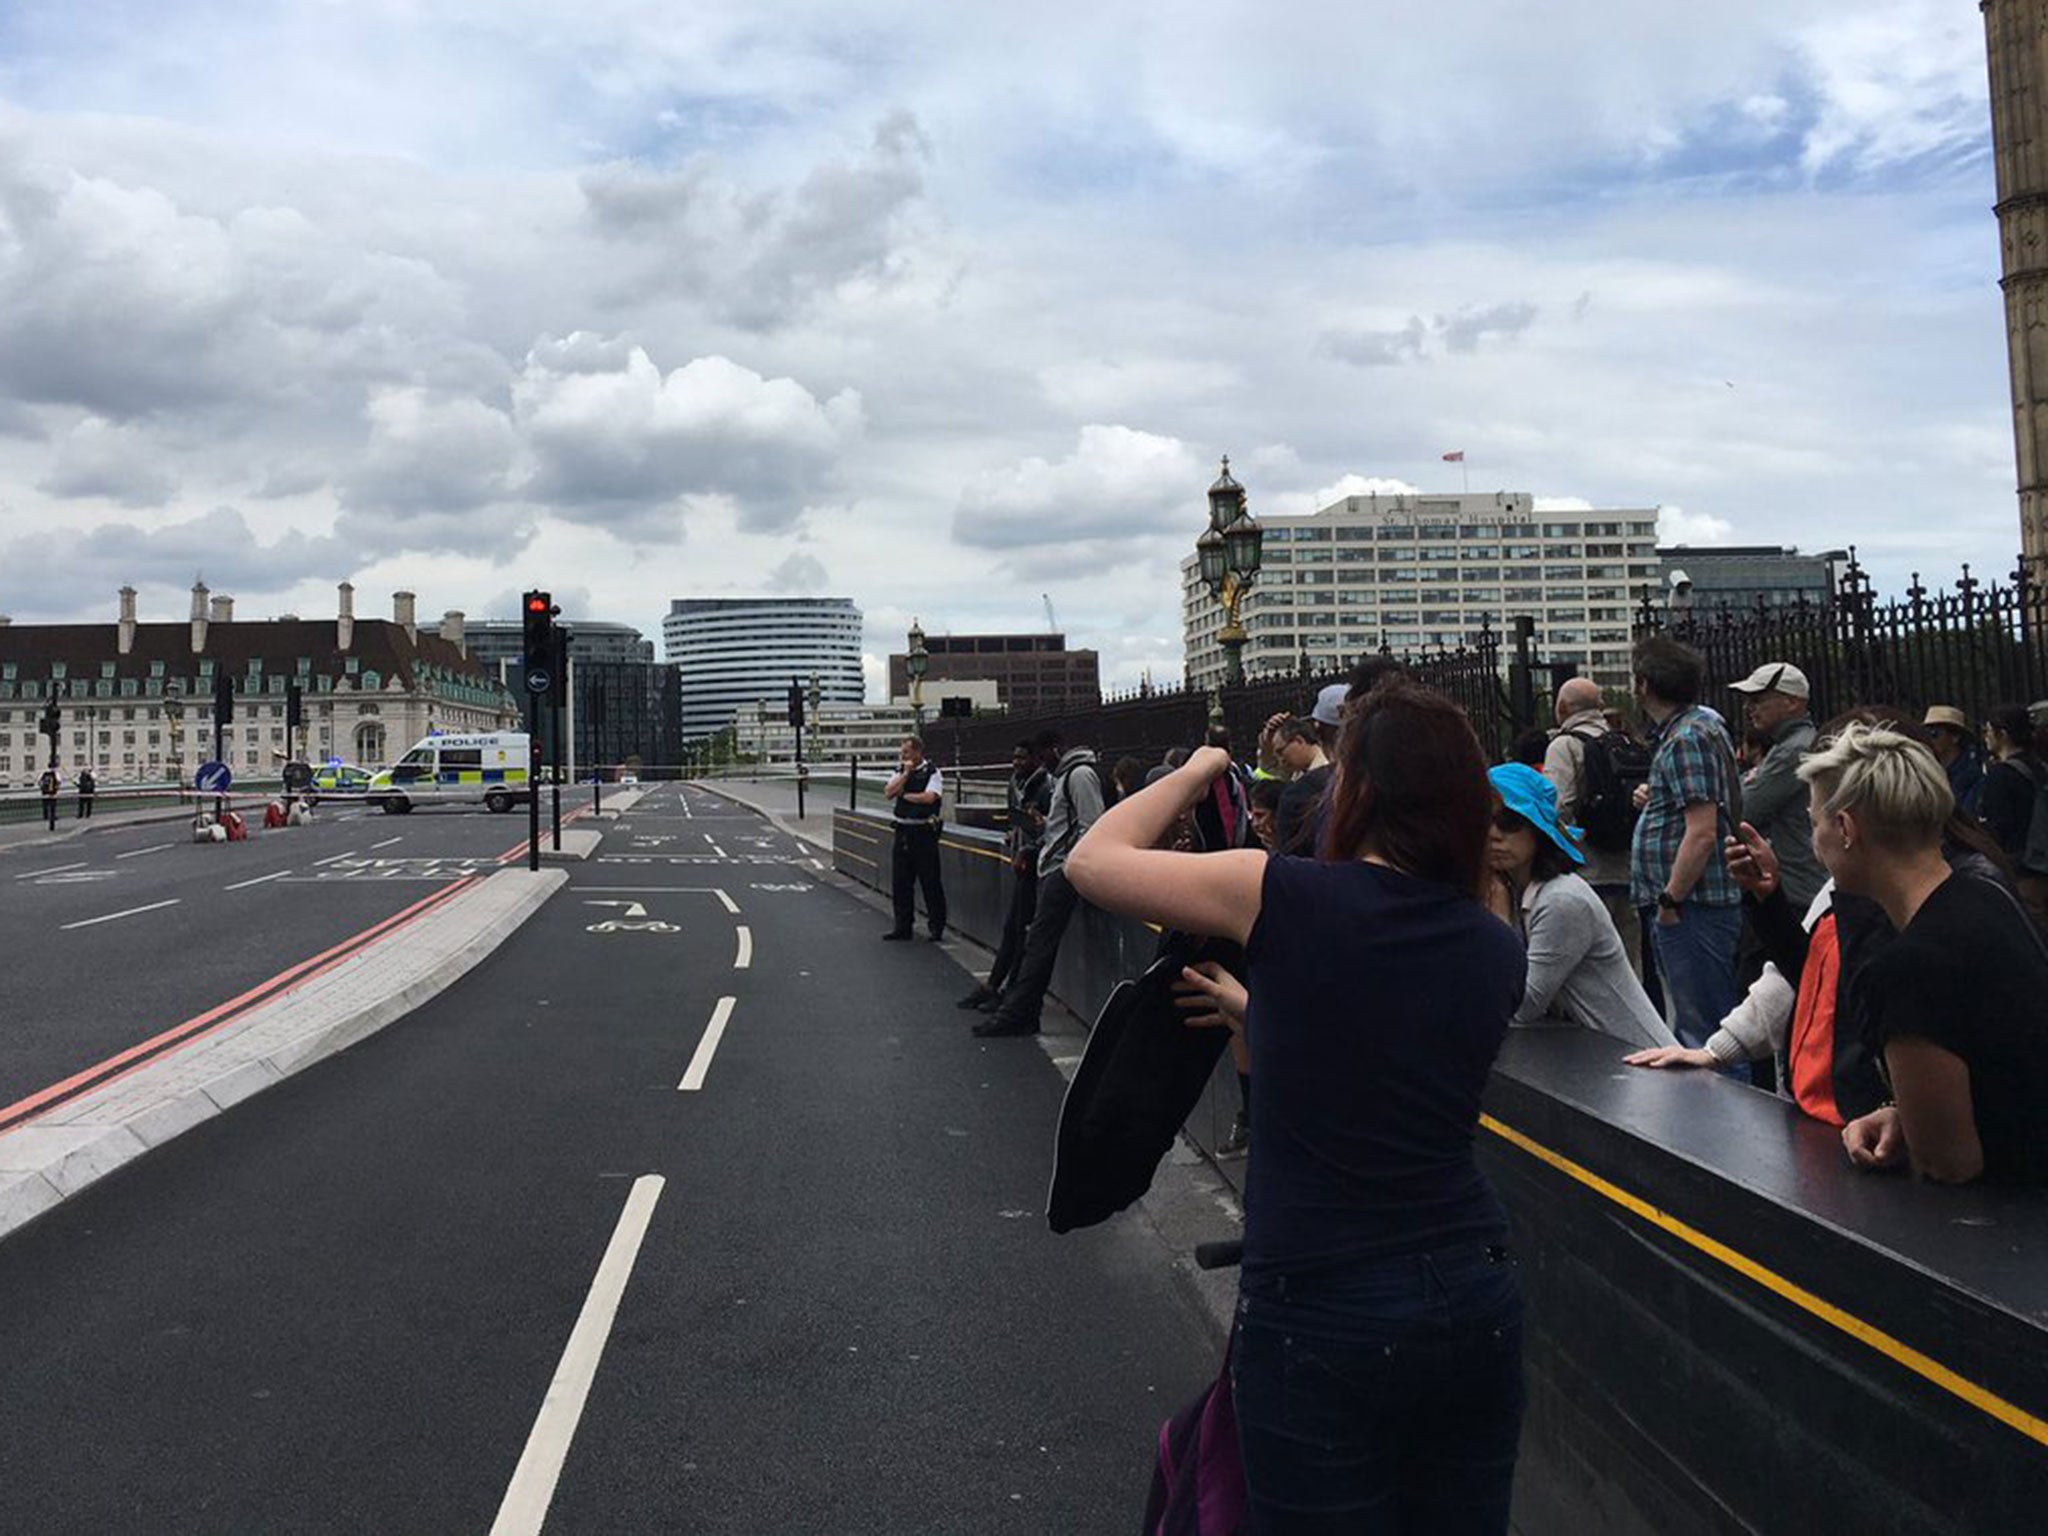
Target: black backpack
pixel 1615 763
pixel 2034 853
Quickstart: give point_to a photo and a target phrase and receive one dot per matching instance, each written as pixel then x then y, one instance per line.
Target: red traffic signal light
pixel 537 602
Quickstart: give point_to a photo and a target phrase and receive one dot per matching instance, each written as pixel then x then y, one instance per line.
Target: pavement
pixel 694 1207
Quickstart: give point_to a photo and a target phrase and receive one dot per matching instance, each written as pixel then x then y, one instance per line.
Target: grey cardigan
pixel 1578 971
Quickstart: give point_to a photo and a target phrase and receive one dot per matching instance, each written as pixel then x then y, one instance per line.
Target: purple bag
pixel 1198 1484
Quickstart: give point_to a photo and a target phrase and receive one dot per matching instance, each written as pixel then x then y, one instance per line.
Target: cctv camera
pixel 1680 582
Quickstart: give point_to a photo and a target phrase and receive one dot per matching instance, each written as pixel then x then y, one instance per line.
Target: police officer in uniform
pixel 916 789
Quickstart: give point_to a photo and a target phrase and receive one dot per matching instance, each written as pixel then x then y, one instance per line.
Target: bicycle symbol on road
pixel 634 921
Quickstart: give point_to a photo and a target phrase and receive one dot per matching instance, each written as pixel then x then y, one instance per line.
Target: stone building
pixel 135 700
pixel 2014 32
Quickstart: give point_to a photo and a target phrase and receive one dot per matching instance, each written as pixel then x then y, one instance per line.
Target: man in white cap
pixel 1776 698
pixel 1299 818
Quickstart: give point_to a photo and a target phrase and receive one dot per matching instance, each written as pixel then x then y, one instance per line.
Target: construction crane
pixel 1052 622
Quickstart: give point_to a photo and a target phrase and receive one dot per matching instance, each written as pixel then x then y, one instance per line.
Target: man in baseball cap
pixel 1776 701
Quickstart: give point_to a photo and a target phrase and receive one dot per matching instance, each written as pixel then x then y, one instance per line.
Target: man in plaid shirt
pixel 1676 870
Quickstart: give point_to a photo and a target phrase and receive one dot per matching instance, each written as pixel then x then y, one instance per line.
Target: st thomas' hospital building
pixel 135 699
pixel 1411 571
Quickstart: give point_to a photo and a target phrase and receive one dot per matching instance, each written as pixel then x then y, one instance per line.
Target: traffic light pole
pixel 533 781
pixel 537 655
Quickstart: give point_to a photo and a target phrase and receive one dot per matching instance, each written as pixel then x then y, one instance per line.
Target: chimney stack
pixel 198 618
pixel 451 629
pixel 126 642
pixel 6 619
pixel 223 610
pixel 403 614
pixel 345 626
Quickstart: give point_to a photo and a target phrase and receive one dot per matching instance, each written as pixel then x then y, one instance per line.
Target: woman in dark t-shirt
pixel 1954 1000
pixel 1377 1355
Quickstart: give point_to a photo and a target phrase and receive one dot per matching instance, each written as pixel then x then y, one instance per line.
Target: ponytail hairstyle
pixel 1411 787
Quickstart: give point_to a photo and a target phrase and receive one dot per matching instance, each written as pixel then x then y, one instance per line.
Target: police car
pixel 343 779
pixel 486 768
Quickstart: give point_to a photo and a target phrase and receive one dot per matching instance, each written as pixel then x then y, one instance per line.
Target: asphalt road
pixel 117 935
pixel 341 1306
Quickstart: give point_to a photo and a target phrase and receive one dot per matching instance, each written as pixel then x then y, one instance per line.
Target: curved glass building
pixel 731 651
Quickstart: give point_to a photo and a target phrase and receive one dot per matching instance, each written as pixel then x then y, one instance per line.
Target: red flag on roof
pixel 1455 458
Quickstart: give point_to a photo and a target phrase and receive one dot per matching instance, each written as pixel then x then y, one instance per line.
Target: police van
pixel 456 768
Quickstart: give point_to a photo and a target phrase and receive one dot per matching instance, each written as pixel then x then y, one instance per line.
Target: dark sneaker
pixel 938 937
pixel 980 997
pixel 894 937
pixel 999 1028
pixel 1238 1140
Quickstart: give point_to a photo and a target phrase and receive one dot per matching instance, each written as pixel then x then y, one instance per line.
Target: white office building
pixel 734 651
pixel 1409 572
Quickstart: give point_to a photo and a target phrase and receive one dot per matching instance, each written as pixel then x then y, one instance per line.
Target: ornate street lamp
pixel 174 716
pixel 915 665
pixel 1228 554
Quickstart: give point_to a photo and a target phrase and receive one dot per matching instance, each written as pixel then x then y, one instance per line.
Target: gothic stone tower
pixel 2016 32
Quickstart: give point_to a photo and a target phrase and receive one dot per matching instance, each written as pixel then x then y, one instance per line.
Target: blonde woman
pixel 1955 999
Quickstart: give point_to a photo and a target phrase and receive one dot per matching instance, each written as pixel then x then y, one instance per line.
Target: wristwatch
pixel 1669 902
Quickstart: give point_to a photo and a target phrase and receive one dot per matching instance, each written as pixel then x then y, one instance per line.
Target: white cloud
pixel 1117 486
pixel 616 441
pixel 1675 525
pixel 964 306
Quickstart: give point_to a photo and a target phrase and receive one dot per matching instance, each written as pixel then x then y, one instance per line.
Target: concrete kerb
pixel 1189 1202
pixel 577 843
pixel 619 802
pixel 55 1156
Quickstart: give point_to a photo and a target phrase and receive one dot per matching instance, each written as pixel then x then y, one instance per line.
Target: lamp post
pixel 915 663
pixel 174 717
pixel 1228 554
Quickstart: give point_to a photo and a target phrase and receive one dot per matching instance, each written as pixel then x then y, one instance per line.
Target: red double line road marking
pixel 116 1067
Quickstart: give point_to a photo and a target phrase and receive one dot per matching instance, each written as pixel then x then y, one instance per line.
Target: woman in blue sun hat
pixel 1578 971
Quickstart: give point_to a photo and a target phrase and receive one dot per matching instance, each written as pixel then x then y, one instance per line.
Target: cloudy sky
pixel 943 308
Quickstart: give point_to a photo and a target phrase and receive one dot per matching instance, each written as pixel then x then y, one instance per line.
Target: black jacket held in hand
pixel 1141 1074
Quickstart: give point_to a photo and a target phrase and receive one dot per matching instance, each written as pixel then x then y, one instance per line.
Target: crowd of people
pixel 1846 913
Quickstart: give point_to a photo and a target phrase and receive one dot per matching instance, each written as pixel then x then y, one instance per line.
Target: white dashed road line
pixel 728 903
pixel 139 852
pixel 35 874
pixel 243 885
pixel 387 842
pixel 111 916
pixel 700 1063
pixel 319 863
pixel 745 957
pixel 540 1466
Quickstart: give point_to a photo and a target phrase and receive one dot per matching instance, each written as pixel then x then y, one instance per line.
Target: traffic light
pixel 796 703
pixel 294 709
pixel 540 611
pixel 50 723
pixel 223 697
pixel 558 695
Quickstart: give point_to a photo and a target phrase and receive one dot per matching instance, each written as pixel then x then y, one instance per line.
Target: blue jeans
pixel 1697 957
pixel 1385 1396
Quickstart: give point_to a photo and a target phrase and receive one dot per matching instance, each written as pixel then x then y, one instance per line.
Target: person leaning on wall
pixel 1956 996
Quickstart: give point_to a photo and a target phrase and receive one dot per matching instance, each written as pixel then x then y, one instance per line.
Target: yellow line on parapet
pixel 981 853
pixel 1926 1366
